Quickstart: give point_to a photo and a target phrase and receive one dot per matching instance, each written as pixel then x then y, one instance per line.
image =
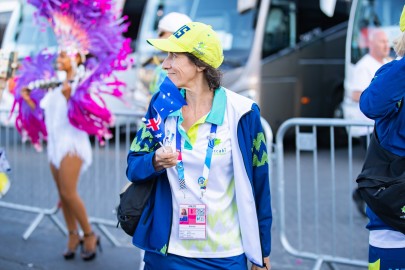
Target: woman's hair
pixel 212 75
pixel 399 45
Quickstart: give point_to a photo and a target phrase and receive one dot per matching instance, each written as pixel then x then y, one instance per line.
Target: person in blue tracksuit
pixel 383 101
pixel 210 207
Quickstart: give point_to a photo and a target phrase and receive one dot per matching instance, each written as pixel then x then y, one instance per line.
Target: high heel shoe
pixel 88 255
pixel 70 253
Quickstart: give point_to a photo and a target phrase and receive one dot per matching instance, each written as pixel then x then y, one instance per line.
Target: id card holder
pixel 192 221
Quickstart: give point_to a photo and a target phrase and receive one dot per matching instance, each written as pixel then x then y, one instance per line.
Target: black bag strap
pixel 380 165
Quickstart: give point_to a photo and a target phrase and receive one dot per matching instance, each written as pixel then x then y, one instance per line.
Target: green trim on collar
pixel 215 116
pixel 193 130
pixel 217 113
pixel 183 133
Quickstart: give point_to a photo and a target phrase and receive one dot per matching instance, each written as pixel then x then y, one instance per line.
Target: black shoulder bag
pixel 133 199
pixel 382 184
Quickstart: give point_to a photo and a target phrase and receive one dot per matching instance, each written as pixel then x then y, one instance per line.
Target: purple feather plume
pixel 30 122
pixel 94 29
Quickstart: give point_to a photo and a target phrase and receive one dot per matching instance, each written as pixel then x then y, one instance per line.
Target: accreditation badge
pixel 192 221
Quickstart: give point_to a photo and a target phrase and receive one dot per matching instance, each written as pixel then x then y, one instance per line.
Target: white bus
pixel 288 55
pixel 19 33
pixel 366 14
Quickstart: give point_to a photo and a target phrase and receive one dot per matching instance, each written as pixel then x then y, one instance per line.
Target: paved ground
pixel 43 249
pixel 100 186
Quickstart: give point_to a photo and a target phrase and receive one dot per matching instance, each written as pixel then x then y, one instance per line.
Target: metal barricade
pixel 317 217
pixel 28 192
pixel 33 190
pixel 268 132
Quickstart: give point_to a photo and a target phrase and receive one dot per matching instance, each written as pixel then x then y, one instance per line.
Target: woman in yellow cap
pixel 167 25
pixel 213 167
pixel 382 101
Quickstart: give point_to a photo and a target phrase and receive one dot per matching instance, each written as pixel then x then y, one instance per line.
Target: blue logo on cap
pixel 181 31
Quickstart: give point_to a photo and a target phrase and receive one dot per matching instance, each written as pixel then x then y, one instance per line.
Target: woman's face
pixel 64 62
pixel 180 70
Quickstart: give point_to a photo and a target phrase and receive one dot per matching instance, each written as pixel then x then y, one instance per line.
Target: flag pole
pixel 164 149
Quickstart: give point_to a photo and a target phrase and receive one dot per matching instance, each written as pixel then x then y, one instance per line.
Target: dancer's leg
pixel 69 173
pixel 67 212
pixel 70 219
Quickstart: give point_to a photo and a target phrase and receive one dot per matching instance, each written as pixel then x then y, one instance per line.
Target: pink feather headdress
pixel 87 28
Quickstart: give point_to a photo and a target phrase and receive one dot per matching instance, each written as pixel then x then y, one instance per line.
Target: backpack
pixel 381 184
pixel 133 199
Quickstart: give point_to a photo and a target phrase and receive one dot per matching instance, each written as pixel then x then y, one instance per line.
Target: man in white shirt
pixel 363 73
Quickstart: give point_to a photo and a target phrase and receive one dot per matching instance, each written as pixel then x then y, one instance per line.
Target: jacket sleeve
pixel 257 167
pixel 386 90
pixel 140 156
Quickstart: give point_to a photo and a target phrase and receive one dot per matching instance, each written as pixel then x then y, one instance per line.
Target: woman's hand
pixel 266 266
pixel 66 90
pixel 164 159
pixel 25 94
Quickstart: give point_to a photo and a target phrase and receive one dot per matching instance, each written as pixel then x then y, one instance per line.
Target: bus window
pixel 277 32
pixel 30 38
pixel 4 19
pixel 370 14
pixel 133 10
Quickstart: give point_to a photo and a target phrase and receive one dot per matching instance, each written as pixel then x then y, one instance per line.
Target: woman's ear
pixel 200 69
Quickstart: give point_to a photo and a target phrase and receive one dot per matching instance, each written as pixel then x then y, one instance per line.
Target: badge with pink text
pixel 193 221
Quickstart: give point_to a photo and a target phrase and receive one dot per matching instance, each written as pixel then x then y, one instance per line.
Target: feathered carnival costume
pixel 82 27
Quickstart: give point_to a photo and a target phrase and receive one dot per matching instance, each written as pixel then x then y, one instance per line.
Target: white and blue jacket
pixel 251 173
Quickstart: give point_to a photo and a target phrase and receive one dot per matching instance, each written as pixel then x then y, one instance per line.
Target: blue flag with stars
pixel 169 99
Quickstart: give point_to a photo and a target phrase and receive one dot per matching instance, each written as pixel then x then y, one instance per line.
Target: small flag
pixel 169 100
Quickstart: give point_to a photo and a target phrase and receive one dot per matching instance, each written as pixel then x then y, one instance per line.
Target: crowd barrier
pixel 32 188
pixel 317 217
pixel 312 201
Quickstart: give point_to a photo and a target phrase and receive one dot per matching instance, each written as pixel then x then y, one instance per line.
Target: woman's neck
pixel 70 74
pixel 199 103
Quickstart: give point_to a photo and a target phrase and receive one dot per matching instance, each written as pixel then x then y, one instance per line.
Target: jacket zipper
pixel 378 191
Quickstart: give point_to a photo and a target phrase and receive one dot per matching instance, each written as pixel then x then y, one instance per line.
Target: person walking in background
pixel 69 153
pixel 214 164
pixel 382 101
pixel 166 27
pixel 61 106
pixel 363 73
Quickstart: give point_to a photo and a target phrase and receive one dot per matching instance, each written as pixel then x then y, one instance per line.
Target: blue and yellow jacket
pixel 383 101
pixel 251 173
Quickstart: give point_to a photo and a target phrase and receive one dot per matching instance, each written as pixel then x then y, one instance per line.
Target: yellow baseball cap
pixel 196 38
pixel 402 20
